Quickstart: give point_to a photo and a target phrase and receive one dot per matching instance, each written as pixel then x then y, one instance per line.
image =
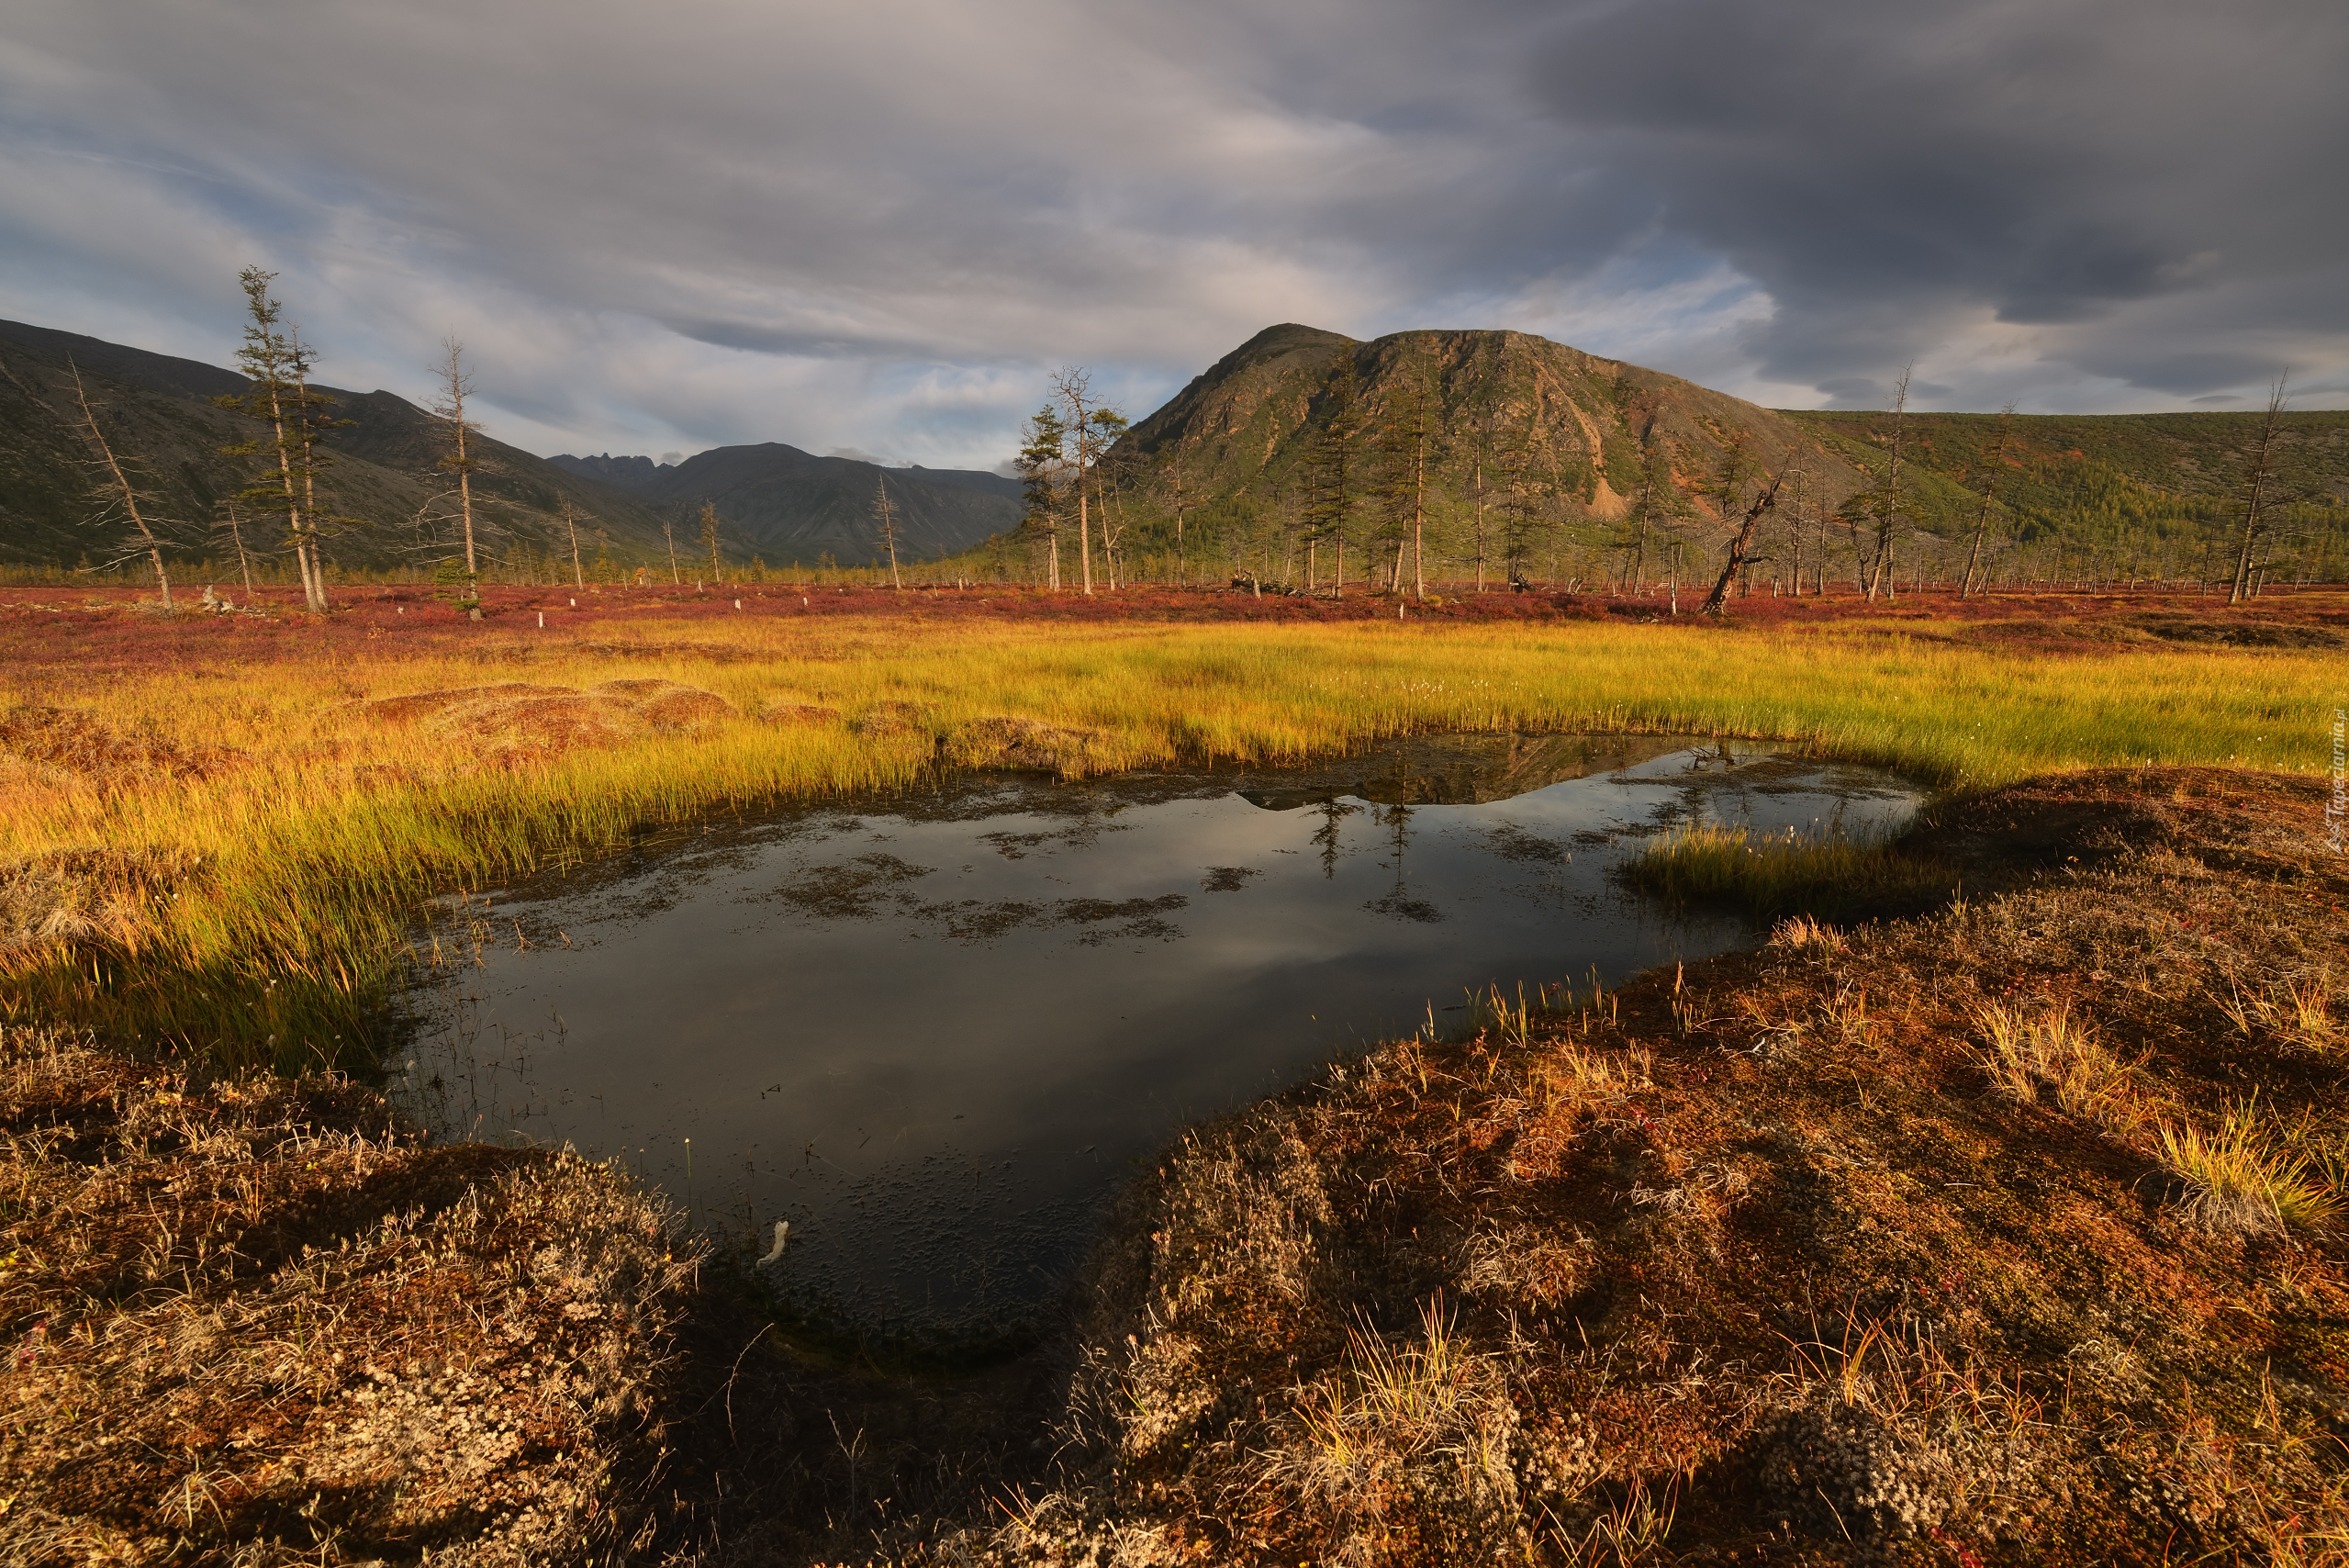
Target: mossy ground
pixel 1755 1263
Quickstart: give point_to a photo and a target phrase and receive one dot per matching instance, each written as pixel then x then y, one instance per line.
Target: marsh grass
pixel 2048 1049
pixel 1776 873
pixel 307 826
pixel 2247 1176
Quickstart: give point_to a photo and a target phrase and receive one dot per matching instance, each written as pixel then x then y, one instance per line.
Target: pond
pixel 936 1032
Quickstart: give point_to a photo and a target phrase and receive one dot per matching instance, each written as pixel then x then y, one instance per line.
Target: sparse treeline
pixel 1468 478
pixel 1420 464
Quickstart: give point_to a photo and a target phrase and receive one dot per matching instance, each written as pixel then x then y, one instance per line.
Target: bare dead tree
pixel 117 489
pixel 1741 545
pixel 1989 488
pixel 885 516
pixel 1888 499
pixel 237 538
pixel 456 385
pixel 2257 469
pixel 570 521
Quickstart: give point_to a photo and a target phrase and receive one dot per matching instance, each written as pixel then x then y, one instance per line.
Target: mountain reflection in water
pixel 934 1033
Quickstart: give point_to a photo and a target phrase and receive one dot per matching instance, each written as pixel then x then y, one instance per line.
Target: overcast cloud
pixel 877 226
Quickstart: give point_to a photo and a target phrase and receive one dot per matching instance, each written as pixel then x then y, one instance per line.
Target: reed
pixel 1775 873
pixel 281 834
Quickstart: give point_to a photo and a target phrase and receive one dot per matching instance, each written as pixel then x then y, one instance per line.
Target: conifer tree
pixel 1888 497
pixel 1042 440
pixel 708 532
pixel 1989 488
pixel 281 402
pixel 1331 462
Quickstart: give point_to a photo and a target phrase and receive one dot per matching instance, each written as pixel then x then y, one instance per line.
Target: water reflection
pixel 934 1033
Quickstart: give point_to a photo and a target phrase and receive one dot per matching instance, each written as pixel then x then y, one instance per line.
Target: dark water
pixel 936 1032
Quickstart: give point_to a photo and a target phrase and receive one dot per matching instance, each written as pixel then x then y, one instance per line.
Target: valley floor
pixel 2005 1234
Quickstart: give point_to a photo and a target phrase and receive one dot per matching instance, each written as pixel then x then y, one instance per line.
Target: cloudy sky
pixel 876 225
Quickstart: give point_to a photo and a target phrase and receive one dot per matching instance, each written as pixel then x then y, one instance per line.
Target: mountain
pixel 784 504
pixel 1539 456
pixel 157 412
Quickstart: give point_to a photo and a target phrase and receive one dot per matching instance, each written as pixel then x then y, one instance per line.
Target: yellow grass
pixel 276 885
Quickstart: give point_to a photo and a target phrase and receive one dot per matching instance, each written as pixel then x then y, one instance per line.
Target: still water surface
pixel 935 1032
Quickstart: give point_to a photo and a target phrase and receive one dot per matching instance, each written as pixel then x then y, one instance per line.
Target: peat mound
pixel 269 1323
pixel 2011 1233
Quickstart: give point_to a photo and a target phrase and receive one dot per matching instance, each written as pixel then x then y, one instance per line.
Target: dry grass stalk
pixel 2244 1178
pixel 267 1323
pixel 2047 1048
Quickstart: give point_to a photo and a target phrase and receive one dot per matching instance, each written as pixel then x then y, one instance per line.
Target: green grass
pixel 278 937
pixel 1784 873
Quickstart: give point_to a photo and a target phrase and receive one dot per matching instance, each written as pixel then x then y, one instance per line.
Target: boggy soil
pixel 1767 1260
pixel 1775 1259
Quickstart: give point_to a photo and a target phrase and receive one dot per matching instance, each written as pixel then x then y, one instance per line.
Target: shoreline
pixel 1279 1263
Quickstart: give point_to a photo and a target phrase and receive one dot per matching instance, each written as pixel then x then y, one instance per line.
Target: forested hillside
pixel 1497 453
pixel 389 499
pixel 789 505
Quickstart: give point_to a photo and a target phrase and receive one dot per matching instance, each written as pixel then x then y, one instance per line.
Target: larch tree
pixel 1332 460
pixel 1088 435
pixel 2258 472
pixel 1043 454
pixel 885 520
pixel 274 364
pixel 312 418
pixel 1888 498
pixel 118 493
pixel 457 456
pixel 706 526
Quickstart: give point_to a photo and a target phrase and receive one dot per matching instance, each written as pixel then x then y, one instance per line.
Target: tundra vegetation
pixel 1989 1211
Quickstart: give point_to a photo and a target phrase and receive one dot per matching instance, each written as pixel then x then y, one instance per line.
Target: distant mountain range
pixel 1548 451
pixel 787 505
pixel 775 501
pixel 157 411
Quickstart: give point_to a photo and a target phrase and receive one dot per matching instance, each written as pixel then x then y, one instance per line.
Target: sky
pixel 876 227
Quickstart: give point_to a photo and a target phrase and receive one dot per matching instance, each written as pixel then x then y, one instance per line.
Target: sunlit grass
pixel 2246 1176
pixel 306 849
pixel 1773 873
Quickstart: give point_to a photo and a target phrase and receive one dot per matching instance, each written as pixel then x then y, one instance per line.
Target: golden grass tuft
pixel 1774 872
pixel 2047 1050
pixel 2246 1177
pixel 322 819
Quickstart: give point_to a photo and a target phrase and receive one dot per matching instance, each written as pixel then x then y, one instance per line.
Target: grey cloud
pixel 1883 169
pixel 801 223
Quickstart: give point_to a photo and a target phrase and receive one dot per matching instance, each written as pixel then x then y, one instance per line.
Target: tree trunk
pixel 1717 599
pixel 2239 588
pixel 122 485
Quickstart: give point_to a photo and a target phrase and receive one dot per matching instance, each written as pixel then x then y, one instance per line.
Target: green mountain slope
pixel 2130 495
pixel 1536 458
pixel 1563 466
pixel 786 504
pixel 157 413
